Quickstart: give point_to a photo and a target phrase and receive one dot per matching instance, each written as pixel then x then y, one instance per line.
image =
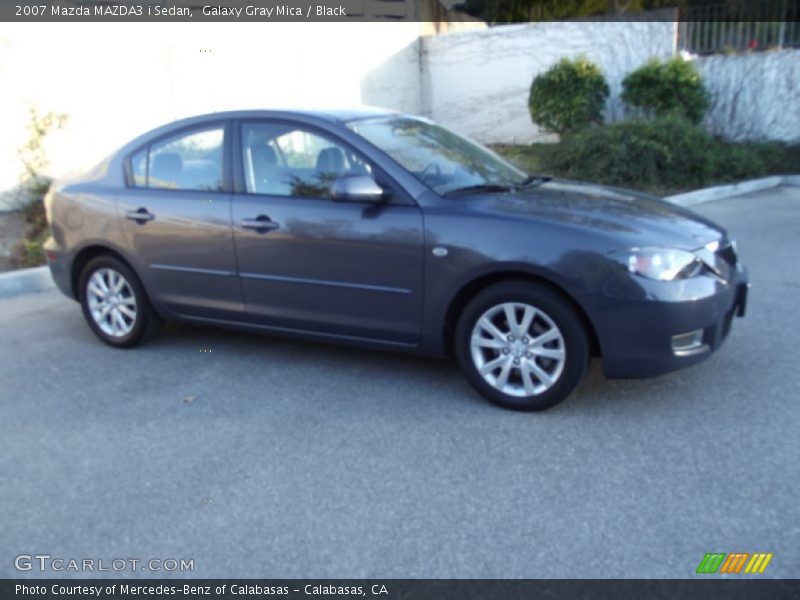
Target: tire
pixel 139 322
pixel 535 368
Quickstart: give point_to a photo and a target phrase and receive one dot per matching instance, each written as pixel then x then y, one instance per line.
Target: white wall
pixel 756 96
pixel 478 82
pixel 116 81
pixel 397 82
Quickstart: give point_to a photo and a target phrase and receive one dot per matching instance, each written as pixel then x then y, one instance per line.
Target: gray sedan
pixel 385 230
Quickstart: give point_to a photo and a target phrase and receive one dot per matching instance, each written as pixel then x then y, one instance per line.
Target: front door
pixel 309 263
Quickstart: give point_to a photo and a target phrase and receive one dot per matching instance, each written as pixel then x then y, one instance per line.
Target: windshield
pixel 441 159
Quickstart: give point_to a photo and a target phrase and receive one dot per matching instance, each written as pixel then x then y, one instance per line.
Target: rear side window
pixel 189 161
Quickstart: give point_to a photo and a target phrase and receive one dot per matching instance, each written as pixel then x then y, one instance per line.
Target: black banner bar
pixel 356 10
pixel 394 589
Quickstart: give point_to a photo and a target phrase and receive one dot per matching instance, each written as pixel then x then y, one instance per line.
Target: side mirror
pixel 357 188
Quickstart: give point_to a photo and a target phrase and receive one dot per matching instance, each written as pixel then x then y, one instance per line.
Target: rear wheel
pixel 521 346
pixel 114 303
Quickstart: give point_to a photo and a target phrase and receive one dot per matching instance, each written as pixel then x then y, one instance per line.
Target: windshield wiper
pixel 497 188
pixel 533 181
pixel 483 187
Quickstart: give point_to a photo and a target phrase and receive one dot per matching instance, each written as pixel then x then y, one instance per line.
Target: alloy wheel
pixel 518 349
pixel 112 303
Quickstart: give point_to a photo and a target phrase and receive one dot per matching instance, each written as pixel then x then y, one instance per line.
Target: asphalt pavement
pixel 262 457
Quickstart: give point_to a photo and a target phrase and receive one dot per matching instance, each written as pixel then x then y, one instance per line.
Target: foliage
pixel 778 157
pixel 30 252
pixel 530 158
pixel 665 152
pixel 34 184
pixel 32 154
pixel 568 96
pixel 661 155
pixel 516 11
pixel 672 86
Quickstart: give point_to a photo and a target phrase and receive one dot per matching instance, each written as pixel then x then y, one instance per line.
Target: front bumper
pixel 638 323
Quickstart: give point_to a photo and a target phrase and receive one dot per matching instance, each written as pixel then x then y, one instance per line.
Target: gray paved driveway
pixel 303 460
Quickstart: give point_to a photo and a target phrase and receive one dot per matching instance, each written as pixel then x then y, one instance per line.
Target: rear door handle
pixel 262 224
pixel 141 216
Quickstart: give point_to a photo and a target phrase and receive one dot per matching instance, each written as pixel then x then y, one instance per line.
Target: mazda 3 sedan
pixel 385 230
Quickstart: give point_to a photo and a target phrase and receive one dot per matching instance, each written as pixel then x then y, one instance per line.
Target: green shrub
pixel 30 251
pixel 569 96
pixel 665 153
pixel 778 158
pixel 670 87
pixel 33 187
pixel 530 157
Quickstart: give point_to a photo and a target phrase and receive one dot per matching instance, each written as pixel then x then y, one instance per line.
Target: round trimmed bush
pixel 670 87
pixel 569 96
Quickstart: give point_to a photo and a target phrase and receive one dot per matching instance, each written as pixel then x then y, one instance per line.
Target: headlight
pixel 661 264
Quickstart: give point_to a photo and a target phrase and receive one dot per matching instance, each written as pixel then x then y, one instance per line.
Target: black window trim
pixel 227 161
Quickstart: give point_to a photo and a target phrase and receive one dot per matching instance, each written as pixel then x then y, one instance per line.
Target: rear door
pixel 339 268
pixel 176 217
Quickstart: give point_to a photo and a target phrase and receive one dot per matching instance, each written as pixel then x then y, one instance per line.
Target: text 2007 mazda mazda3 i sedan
pixel 382 229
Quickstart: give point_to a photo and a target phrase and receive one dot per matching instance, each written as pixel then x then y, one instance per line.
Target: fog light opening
pixel 687 343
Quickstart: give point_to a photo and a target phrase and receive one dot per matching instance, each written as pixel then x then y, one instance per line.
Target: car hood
pixel 642 219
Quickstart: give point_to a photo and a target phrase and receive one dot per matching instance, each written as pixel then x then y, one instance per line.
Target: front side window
pixel 438 157
pixel 189 161
pixel 286 160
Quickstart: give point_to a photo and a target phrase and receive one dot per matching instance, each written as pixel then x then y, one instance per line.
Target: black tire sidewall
pixel 143 310
pixel 558 309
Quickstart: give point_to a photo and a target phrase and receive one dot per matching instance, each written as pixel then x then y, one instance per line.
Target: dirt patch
pixel 12 231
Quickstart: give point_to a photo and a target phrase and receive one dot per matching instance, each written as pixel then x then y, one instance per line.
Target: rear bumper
pixel 638 336
pixel 60 267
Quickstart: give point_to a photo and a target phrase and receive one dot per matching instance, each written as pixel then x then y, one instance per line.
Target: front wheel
pixel 521 345
pixel 114 303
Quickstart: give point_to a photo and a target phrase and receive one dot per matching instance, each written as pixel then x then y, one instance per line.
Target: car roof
pixel 339 116
pixel 336 114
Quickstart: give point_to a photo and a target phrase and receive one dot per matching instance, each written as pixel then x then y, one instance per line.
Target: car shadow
pixel 436 381
pixel 363 378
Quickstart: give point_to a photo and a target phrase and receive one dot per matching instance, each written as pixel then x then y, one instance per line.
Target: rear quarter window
pixel 188 161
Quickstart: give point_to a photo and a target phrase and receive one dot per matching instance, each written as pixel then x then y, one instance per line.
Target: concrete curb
pixel 25 281
pixel 719 192
pixel 791 179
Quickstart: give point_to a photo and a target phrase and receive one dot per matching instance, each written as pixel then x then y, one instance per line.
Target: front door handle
pixel 262 224
pixel 141 216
